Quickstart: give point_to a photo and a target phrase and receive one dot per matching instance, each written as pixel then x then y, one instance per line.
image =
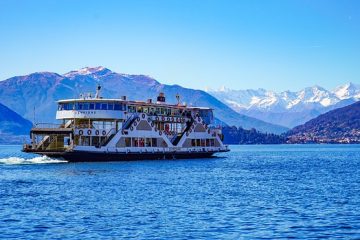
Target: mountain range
pixel 287 108
pixel 37 93
pixel 341 125
pixel 13 127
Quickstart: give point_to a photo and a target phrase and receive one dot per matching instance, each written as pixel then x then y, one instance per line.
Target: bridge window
pixel 97 106
pixel 80 106
pixel 103 106
pixel 110 106
pixel 131 109
pixel 117 106
pixel 91 106
pixel 86 106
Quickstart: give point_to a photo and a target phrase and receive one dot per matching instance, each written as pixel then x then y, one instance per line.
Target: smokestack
pixel 161 97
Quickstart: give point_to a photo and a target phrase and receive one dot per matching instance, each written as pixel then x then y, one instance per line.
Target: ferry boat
pixel 102 129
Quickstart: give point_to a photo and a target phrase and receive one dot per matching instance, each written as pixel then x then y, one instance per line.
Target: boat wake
pixel 35 160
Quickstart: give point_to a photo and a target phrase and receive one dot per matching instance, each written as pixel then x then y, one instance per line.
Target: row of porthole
pixel 89 132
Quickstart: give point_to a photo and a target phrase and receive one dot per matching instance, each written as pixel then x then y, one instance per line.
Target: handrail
pixel 48 125
pixel 131 118
pixel 107 136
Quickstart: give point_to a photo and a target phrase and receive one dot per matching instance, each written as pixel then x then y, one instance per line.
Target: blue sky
pixel 276 45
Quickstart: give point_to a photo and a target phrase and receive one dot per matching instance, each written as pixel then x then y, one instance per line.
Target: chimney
pixel 123 98
pixel 161 97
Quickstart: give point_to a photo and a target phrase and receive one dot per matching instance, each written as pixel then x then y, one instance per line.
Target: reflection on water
pixel 300 191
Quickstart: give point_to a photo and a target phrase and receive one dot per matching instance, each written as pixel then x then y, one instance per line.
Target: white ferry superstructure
pixel 100 129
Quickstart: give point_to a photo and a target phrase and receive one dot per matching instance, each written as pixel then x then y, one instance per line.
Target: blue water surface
pixel 269 191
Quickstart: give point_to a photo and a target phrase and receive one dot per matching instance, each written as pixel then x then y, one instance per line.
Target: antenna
pixel 178 99
pixel 97 95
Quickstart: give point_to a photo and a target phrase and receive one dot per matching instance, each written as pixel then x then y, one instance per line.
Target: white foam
pixel 35 160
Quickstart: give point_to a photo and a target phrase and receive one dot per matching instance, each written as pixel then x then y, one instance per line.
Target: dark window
pixel 97 106
pixel 117 106
pixel 80 106
pixel 92 106
pixel 103 106
pixel 86 106
pixel 110 106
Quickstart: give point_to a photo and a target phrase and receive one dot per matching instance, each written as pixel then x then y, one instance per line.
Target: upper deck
pixel 117 109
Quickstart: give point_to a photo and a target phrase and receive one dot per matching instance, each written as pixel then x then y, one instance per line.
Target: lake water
pixel 283 191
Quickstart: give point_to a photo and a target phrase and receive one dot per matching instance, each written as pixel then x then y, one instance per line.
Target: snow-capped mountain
pixel 288 108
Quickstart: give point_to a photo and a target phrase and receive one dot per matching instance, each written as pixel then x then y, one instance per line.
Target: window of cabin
pixel 80 106
pixel 91 106
pixel 131 109
pixel 97 106
pixel 153 142
pixel 71 106
pixel 104 106
pixel 127 142
pixel 86 106
pixel 117 106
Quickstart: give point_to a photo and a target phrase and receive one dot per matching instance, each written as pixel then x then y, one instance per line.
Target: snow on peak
pixel 278 101
pixel 347 90
pixel 86 71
